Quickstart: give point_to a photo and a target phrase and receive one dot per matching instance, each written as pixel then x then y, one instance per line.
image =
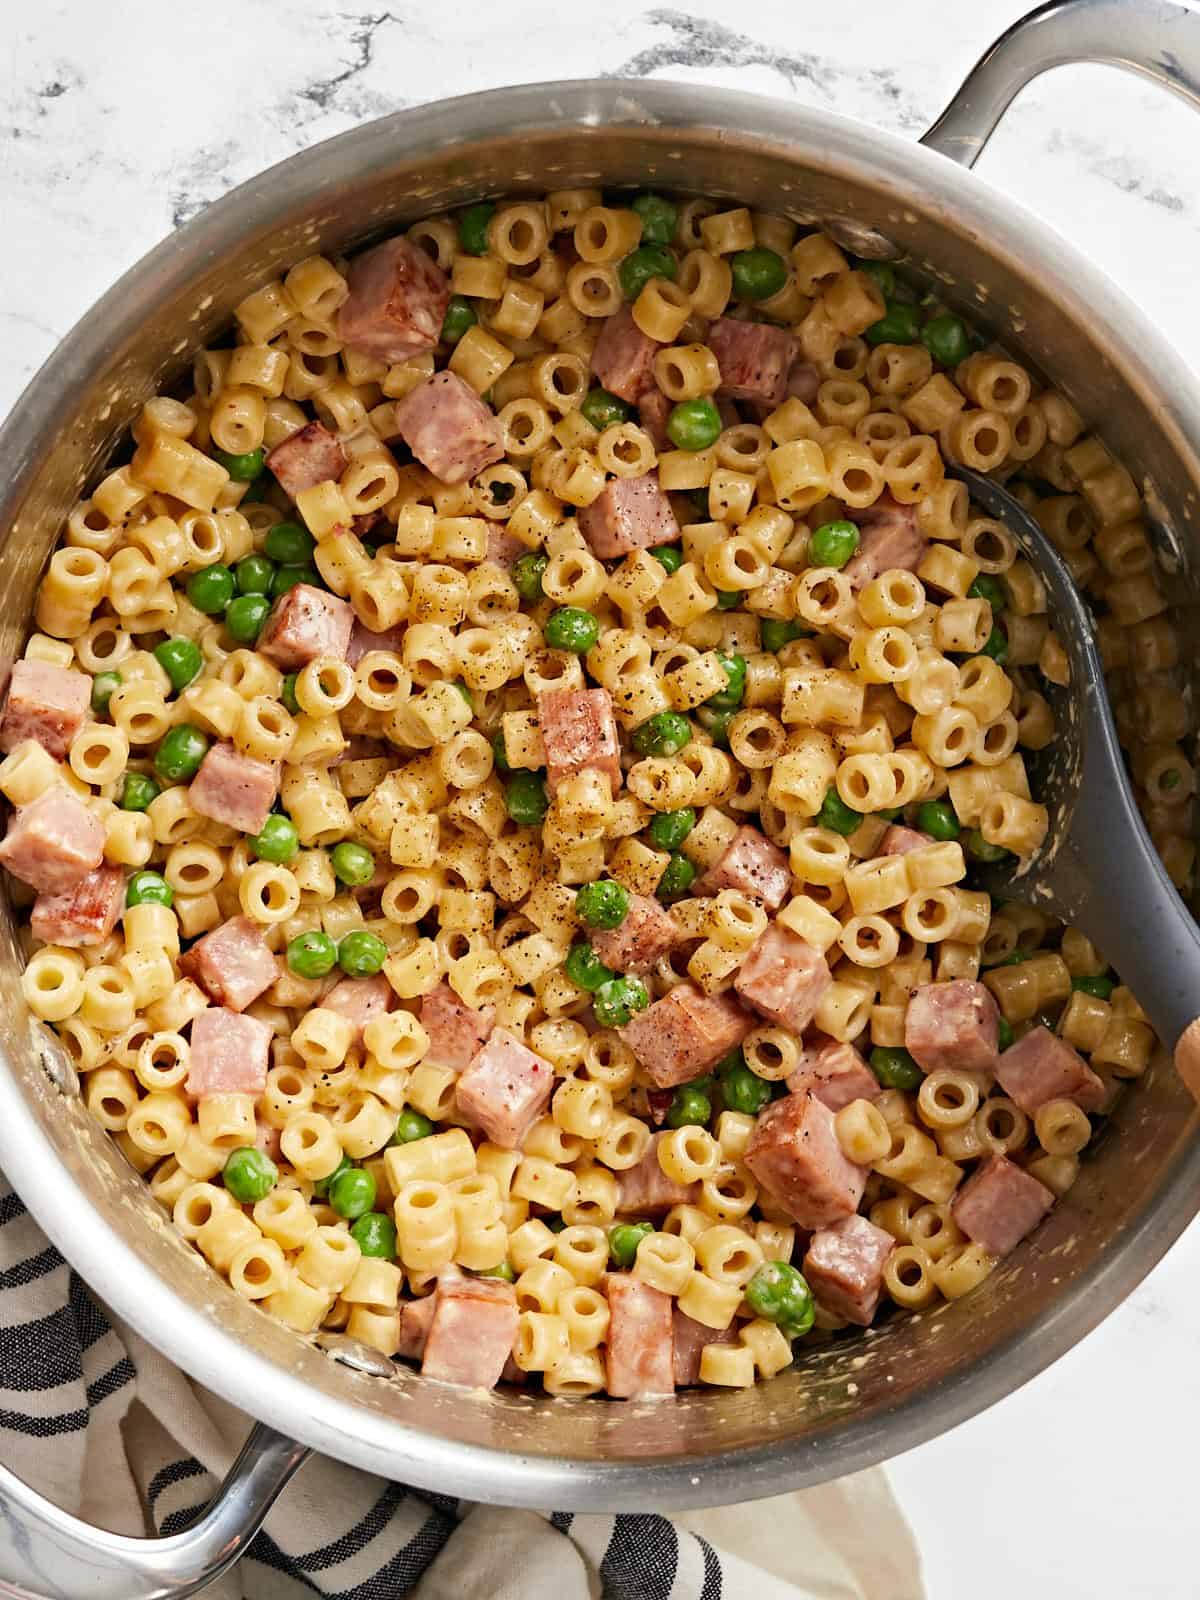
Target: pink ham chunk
pixel 844 1268
pixel 648 932
pixel 397 302
pixel 234 789
pixel 229 1054
pixel 471 1335
pixel 755 866
pixel 685 1034
pixel 690 1338
pixel 952 1025
pixel 416 1319
pixel 505 1089
pixel 629 514
pixel 360 1000
pixel 890 540
pixel 310 456
pixel 783 978
pixel 755 359
pixel 449 428
pixel 363 641
pixel 795 1155
pixel 579 731
pixel 503 547
pixel 1042 1067
pixel 84 915
pixel 899 841
pixel 645 1189
pixel 640 1354
pixel 999 1204
pixel 306 623
pixel 46 703
pixel 53 842
pixel 269 1140
pixel 623 358
pixel 653 410
pixel 835 1074
pixel 456 1031
pixel 803 381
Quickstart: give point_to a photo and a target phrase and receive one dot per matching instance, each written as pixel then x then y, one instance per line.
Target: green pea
pixel 289 544
pixel 585 968
pixel 659 217
pixel 352 1194
pixel 104 685
pixel 500 754
pixel 996 646
pixel 211 589
pixel 882 274
pixel 640 265
pixel 731 697
pixel 978 848
pixel 571 628
pixel 527 573
pixel 411 1126
pixel 833 544
pixel 779 1293
pixel 603 904
pixel 473 227
pixel 669 555
pixel 895 1068
pixel 312 955
pixel 836 815
pixel 1004 1034
pixel 605 410
pixel 715 724
pixel 253 575
pixel 178 757
pixel 465 692
pixel 741 1089
pixel 898 325
pixel 244 468
pixel 277 841
pixel 353 864
pixel 138 791
pixel 287 694
pixel 623 1241
pixel 616 1001
pixel 730 599
pixel 678 877
pixel 774 634
pixel 525 798
pixel 244 617
pixel 288 577
pixel 249 1174
pixel 503 1270
pixel 945 338
pixel 690 1107
pixel 321 1185
pixel 666 733
pixel 460 315
pixel 361 954
pixel 1099 984
pixel 694 424
pixel 668 829
pixel 181 660
pixel 758 273
pixel 1015 958
pixel 375 1235
pixel 148 889
pixel 938 819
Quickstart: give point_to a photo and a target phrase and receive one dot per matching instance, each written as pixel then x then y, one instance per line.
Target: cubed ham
pixel 306 623
pixel 783 978
pixel 505 1089
pixel 503 547
pixel 1042 1067
pixel 833 1073
pixel 229 1054
pixel 999 1204
pixel 235 789
pixel 46 703
pixel 645 1189
pixel 844 1268
pixel 449 429
pixel 472 1331
pixel 53 842
pixel 83 915
pixel 628 514
pixel 795 1155
pixel 803 381
pixel 310 456
pixel 686 1033
pixel 269 1140
pixel 366 522
pixel 755 866
pixel 640 1354
pixel 416 1319
pixel 363 641
pixel 647 932
pixel 397 302
pixel 360 1000
pixel 579 731
pixel 952 1025
pixel 898 841
pixel 690 1338
pixel 890 540
pixel 653 410
pixel 456 1031
pixel 623 358
pixel 754 357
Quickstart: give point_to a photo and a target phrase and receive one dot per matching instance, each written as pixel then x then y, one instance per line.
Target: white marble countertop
pixel 121 120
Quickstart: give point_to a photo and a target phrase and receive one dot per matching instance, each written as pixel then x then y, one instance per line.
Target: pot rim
pixel 915 177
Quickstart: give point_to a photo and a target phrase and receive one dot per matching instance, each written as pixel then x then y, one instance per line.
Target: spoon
pixel 1096 869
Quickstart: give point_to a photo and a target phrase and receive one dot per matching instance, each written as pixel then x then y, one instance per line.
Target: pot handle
pixel 46 1554
pixel 1157 39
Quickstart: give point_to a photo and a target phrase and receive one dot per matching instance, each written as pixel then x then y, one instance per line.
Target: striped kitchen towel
pixel 103 1425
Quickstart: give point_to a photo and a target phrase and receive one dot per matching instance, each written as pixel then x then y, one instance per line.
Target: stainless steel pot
pixel 839 1409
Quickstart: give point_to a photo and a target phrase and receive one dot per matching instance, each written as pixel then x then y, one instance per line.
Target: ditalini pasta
pixel 498 780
